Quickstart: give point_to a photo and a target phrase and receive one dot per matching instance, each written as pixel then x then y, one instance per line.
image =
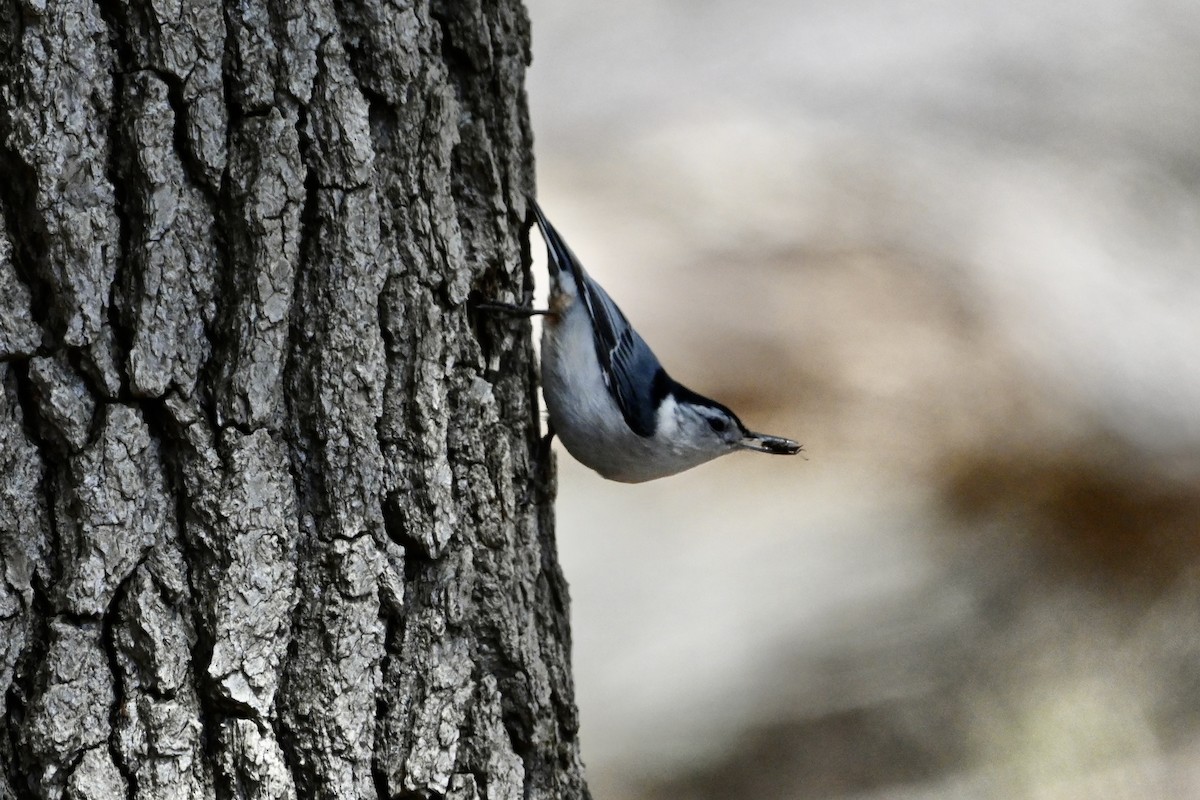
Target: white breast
pixel 583 413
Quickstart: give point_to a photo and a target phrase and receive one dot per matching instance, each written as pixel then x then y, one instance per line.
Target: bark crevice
pixel 108 640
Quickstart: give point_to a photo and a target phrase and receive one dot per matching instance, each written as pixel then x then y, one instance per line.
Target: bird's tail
pixel 559 255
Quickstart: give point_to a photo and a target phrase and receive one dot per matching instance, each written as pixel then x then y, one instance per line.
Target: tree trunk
pixel 263 518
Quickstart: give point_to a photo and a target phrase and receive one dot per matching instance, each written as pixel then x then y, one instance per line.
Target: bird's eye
pixel 718 425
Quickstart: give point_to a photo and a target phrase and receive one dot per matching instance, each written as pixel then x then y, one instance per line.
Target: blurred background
pixel 954 248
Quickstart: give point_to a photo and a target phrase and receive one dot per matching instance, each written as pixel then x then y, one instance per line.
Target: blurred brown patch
pixel 835 755
pixel 1100 510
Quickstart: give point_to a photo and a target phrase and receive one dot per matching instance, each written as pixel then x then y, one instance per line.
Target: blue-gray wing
pixel 631 372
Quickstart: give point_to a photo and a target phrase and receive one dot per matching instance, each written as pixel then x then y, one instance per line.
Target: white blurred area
pixel 954 248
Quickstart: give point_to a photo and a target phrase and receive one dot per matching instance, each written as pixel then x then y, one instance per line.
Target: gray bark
pixel 264 517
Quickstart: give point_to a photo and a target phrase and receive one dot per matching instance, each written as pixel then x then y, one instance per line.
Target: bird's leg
pixel 512 310
pixel 543 451
pixel 540 484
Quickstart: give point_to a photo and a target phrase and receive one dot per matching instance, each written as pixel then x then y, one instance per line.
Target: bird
pixel 607 396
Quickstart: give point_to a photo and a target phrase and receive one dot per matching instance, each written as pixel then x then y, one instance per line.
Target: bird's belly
pixel 583 412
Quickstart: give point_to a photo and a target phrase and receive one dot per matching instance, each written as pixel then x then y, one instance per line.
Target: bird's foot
pixel 511 309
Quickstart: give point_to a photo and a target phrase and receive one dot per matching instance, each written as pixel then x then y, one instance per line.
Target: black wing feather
pixel 631 370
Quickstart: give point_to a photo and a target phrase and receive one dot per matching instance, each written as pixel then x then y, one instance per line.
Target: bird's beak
pixel 775 445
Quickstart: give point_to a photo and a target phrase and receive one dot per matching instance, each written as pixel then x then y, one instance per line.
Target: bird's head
pixel 706 427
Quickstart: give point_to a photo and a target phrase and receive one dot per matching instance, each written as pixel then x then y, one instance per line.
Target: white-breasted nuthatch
pixel 611 402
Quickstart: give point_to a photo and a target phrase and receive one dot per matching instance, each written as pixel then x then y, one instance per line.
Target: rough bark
pixel 264 517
